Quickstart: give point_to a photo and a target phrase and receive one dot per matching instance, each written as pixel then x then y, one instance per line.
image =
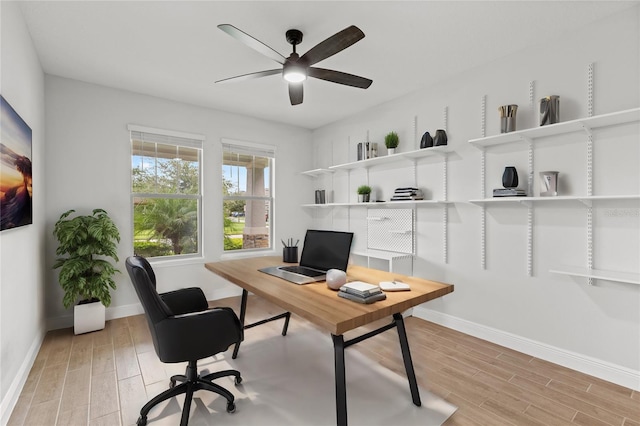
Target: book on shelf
pixel 366 300
pixel 509 192
pixel 407 194
pixel 360 288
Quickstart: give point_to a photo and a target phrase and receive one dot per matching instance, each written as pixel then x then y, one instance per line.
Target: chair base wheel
pixel 172 384
pixel 238 380
pixel 231 407
pixel 142 421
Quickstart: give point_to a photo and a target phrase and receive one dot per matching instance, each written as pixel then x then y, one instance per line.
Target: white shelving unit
pixel 317 172
pixel 379 204
pixel 440 151
pixel 581 124
pixel 527 137
pixel 586 200
pixel 410 157
pixel 576 271
pixel 400 263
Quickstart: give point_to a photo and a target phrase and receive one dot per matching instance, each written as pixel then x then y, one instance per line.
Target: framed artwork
pixel 15 169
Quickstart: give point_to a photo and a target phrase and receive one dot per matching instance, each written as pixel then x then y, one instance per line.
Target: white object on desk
pixel 336 278
pixel 394 286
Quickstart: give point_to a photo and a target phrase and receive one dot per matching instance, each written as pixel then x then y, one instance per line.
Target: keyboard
pixel 303 270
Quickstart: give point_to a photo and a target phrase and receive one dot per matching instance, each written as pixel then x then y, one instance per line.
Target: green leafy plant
pixel 364 189
pixel 391 140
pixel 87 241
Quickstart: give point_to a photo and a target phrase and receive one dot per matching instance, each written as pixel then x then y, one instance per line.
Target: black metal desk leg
pixel 341 385
pixel 406 356
pixel 286 323
pixel 243 310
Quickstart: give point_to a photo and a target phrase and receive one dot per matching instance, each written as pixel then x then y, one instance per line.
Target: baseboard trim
pixel 11 398
pixel 613 373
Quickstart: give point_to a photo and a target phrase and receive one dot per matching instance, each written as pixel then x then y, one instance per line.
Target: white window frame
pixel 170 137
pixel 263 150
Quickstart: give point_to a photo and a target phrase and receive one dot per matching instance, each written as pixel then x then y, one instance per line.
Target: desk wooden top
pixel 318 303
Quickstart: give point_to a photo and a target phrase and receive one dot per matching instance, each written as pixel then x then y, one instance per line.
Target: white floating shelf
pixel 330 205
pixel 379 254
pixel 425 152
pixel 604 120
pixel 379 204
pixel 317 172
pixel 616 276
pixel 583 199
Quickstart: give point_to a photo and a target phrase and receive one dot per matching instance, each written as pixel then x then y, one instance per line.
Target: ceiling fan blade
pixel 295 93
pixel 333 45
pixel 340 77
pixel 252 42
pixel 250 76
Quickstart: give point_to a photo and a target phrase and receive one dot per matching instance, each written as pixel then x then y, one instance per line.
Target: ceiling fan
pixel 295 69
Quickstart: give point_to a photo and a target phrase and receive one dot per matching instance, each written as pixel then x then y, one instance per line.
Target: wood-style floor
pixel 104 377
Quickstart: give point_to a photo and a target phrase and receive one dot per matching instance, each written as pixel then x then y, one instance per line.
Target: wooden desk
pixel 322 306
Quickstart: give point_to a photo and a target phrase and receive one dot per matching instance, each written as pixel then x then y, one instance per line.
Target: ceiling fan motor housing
pixel 294 37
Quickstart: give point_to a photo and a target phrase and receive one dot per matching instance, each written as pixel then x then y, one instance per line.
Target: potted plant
pixel 391 142
pixel 86 274
pixel 363 193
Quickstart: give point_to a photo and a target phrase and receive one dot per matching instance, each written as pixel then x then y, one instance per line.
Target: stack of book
pixel 509 192
pixel 361 292
pixel 407 194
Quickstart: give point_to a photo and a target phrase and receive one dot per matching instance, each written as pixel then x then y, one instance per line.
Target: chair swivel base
pixel 191 382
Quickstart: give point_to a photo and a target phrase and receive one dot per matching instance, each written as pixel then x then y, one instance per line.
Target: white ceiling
pixel 174 50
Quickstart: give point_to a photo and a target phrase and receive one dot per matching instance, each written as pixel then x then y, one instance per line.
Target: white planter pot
pixel 88 317
pixel 391 151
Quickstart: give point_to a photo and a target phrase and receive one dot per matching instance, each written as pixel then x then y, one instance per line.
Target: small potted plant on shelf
pixel 86 274
pixel 364 192
pixel 391 142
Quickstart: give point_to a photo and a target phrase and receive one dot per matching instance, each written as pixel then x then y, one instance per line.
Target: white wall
pixel 600 325
pixel 22 265
pixel 89 162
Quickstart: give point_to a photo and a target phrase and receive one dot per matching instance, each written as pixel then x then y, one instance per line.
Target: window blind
pixel 250 149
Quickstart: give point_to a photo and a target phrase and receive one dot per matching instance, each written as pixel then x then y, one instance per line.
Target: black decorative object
pixel 426 141
pixel 510 177
pixel 440 138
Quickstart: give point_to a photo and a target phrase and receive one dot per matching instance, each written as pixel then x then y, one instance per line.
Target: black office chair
pixel 183 328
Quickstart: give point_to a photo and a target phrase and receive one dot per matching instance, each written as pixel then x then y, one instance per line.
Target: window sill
pixel 248 253
pixel 163 263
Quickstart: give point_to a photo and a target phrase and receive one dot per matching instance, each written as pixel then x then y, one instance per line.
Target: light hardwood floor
pixel 104 377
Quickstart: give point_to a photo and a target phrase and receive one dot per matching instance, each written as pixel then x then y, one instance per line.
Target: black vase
pixel 510 177
pixel 440 138
pixel 426 141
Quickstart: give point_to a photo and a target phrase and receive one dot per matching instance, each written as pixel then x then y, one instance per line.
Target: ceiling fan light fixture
pixel 294 73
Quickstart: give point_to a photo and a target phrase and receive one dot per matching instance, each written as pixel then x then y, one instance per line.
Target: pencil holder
pixel 290 254
pixel 507 118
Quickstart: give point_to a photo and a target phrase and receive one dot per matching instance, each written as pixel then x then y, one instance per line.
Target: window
pixel 166 192
pixel 248 195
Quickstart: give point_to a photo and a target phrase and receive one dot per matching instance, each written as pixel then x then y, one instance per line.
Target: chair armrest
pixel 197 335
pixel 185 300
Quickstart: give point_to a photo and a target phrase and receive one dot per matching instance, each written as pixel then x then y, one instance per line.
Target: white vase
pixel 391 151
pixel 88 317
